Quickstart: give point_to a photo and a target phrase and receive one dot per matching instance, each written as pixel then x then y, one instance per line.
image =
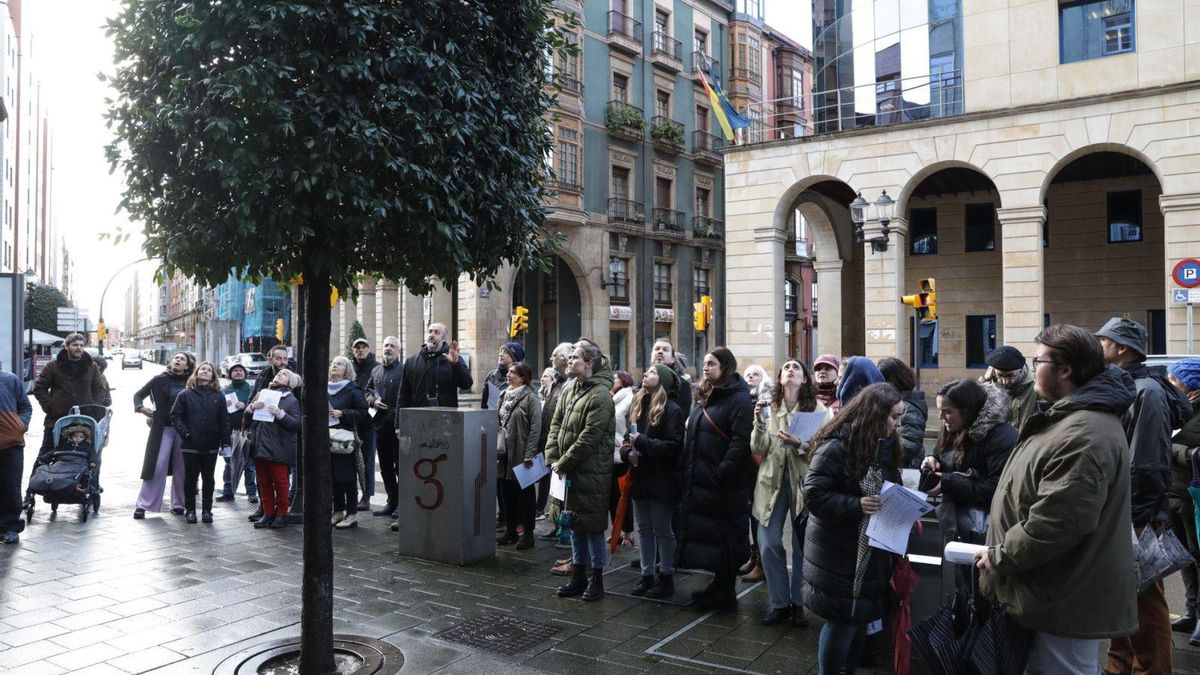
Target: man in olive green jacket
pixel 1059 553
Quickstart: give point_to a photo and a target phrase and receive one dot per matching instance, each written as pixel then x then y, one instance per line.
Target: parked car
pixel 1160 362
pixel 131 358
pixel 254 363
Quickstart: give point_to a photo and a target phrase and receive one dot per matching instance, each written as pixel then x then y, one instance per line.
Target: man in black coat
pixel 71 379
pixel 364 365
pixel 433 376
pixel 383 393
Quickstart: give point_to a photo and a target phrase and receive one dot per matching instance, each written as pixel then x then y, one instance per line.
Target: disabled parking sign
pixel 1187 273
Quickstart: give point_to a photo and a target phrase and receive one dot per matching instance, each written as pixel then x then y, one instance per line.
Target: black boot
pixel 799 618
pixel 777 616
pixel 644 585
pixel 595 587
pixel 665 587
pixel 723 594
pixel 576 585
pixel 1194 640
pixel 1185 623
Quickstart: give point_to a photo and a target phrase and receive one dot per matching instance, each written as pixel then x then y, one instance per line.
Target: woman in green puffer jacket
pixel 579 447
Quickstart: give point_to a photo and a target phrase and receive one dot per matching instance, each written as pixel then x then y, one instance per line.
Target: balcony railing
pixel 668 220
pixel 624 120
pixel 626 210
pixel 568 82
pixel 624 26
pixel 706 147
pixel 564 185
pixel 701 60
pixel 752 76
pixel 704 227
pixel 668 46
pixel 663 293
pixel 667 133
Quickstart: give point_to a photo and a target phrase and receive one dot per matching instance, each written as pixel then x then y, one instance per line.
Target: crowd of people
pixel 1051 464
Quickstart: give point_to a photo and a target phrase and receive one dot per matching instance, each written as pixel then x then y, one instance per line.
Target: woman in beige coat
pixel 784 462
pixel 520 414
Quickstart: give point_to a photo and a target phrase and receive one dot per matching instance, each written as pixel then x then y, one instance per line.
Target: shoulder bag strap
pixel 714 425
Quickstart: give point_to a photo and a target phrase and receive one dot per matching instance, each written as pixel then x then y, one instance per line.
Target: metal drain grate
pixel 499 633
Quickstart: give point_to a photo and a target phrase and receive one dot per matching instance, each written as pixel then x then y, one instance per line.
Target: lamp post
pixel 614 268
pixel 883 213
pixel 100 322
pixel 30 276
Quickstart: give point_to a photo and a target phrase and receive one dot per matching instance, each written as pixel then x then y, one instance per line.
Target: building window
pixel 663 192
pixel 662 285
pixel 922 231
pixel 568 156
pixel 927 343
pixel 702 118
pixel 755 61
pixel 700 42
pixel 981 227
pixel 618 285
pixel 700 286
pixel 620 88
pixel 798 88
pixel 1124 216
pixel 1095 28
pixel 617 349
pixel 981 339
pixel 620 182
pixel 789 299
pixel 752 8
pixel 702 201
pixel 662 103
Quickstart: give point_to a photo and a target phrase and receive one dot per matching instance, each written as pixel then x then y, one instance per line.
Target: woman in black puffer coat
pixel 201 419
pixel 846 581
pixel 716 479
pixel 974 446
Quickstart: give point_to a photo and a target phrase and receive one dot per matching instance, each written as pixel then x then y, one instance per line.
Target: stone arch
pixel 1092 149
pixel 911 185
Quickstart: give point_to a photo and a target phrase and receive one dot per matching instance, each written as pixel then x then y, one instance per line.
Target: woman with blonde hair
pixel 200 418
pixel 347 414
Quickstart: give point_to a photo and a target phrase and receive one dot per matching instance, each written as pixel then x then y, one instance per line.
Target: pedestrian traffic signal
pixel 279 329
pixel 925 302
pixel 520 321
pixel 702 313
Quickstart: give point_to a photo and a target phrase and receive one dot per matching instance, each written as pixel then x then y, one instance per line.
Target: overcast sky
pixel 71 49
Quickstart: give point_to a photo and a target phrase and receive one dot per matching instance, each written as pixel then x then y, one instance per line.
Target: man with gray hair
pixel 433 376
pixel 383 394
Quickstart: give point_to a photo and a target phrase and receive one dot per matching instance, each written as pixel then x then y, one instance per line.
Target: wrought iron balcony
pixel 667 52
pixel 624 32
pixel 669 220
pixel 667 133
pixel 624 120
pixel 706 146
pixel 704 227
pixel 700 60
pixel 626 210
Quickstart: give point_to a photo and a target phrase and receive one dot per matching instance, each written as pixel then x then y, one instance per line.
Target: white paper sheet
pixel 269 398
pixel 889 529
pixel 961 553
pixel 558 487
pixel 805 425
pixel 911 478
pixel 531 475
pixel 231 401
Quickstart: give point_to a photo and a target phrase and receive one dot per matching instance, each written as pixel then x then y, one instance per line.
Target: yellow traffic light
pixel 698 316
pixel 333 296
pixel 925 302
pixel 279 329
pixel 519 322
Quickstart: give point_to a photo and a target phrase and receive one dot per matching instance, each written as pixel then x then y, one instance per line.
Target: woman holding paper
pixel 973 448
pixel 517 444
pixel 777 498
pixel 201 419
pixel 347 414
pixel 845 580
pixel 655 439
pixel 275 445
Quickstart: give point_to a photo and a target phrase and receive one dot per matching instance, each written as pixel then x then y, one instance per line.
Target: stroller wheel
pixel 84 513
pixel 95 503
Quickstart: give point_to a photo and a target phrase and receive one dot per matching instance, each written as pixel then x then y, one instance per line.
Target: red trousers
pixel 272 487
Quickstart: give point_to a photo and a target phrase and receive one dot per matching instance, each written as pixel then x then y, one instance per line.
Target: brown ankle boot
pixel 749 565
pixel 756 571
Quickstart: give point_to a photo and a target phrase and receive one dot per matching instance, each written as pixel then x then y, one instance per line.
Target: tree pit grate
pixel 498 633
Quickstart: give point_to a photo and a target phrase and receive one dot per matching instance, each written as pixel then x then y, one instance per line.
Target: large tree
pixel 41 308
pixel 386 138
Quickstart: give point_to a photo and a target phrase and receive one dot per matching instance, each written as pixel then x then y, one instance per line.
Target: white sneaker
pixel 348 522
pixel 338 517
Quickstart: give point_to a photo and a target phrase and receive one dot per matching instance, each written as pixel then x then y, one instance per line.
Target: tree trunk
pixel 316 617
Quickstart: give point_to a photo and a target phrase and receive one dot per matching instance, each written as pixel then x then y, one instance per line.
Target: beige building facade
pixel 1062 193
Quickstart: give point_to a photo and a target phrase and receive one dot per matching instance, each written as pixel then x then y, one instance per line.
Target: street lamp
pixel 614 269
pixel 30 275
pixel 883 213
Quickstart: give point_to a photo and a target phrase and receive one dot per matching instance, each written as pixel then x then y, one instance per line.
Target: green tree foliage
pixel 356 332
pixel 41 308
pixel 395 139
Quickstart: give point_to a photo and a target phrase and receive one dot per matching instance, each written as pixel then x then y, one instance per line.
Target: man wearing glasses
pixel 1006 367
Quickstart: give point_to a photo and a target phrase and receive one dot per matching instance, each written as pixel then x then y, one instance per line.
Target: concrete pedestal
pixel 447 484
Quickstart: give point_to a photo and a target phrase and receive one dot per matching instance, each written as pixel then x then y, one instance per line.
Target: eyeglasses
pixel 1037 362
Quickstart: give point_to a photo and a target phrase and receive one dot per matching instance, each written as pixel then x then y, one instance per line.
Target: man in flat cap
pixel 1008 369
pixel 1156 410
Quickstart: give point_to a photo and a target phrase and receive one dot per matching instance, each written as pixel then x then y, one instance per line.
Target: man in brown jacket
pixel 71 379
pixel 1059 553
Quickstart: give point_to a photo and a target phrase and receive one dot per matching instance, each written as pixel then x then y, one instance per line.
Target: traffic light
pixel 101 331
pixel 279 329
pixel 520 321
pixel 702 313
pixel 925 302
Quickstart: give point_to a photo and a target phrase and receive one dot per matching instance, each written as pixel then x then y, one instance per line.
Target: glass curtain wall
pixel 879 62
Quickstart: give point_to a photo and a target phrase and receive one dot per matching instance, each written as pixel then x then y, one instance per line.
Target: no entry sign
pixel 1187 273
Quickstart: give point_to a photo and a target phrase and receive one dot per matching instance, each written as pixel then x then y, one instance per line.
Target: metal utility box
pixel 447 484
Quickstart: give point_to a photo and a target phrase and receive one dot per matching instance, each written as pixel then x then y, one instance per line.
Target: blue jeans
pixel 655 535
pixel 587 548
pixel 782 590
pixel 840 648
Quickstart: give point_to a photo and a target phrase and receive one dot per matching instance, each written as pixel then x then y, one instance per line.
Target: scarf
pixel 826 393
pixel 508 401
pixel 335 387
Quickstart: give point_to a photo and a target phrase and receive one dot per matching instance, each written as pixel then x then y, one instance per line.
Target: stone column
pixel 883 279
pixel 366 313
pixel 335 328
pixel 389 301
pixel 413 334
pixel 1181 225
pixel 442 303
pixel 349 316
pixel 754 271
pixel 1023 276
pixel 829 306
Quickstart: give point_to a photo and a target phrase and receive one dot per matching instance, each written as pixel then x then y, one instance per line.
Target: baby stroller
pixel 66 476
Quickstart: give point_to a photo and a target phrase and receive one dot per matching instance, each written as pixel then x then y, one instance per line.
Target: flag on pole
pixel 727 117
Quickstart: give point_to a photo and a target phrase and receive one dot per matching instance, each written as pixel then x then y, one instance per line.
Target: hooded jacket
pixel 428 374
pixel 580 445
pixel 64 383
pixel 912 428
pixel 1023 400
pixel 860 373
pixel 15 411
pixel 1059 537
pixel 1157 409
pixel 162 390
pixel 716 479
pixel 986 449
